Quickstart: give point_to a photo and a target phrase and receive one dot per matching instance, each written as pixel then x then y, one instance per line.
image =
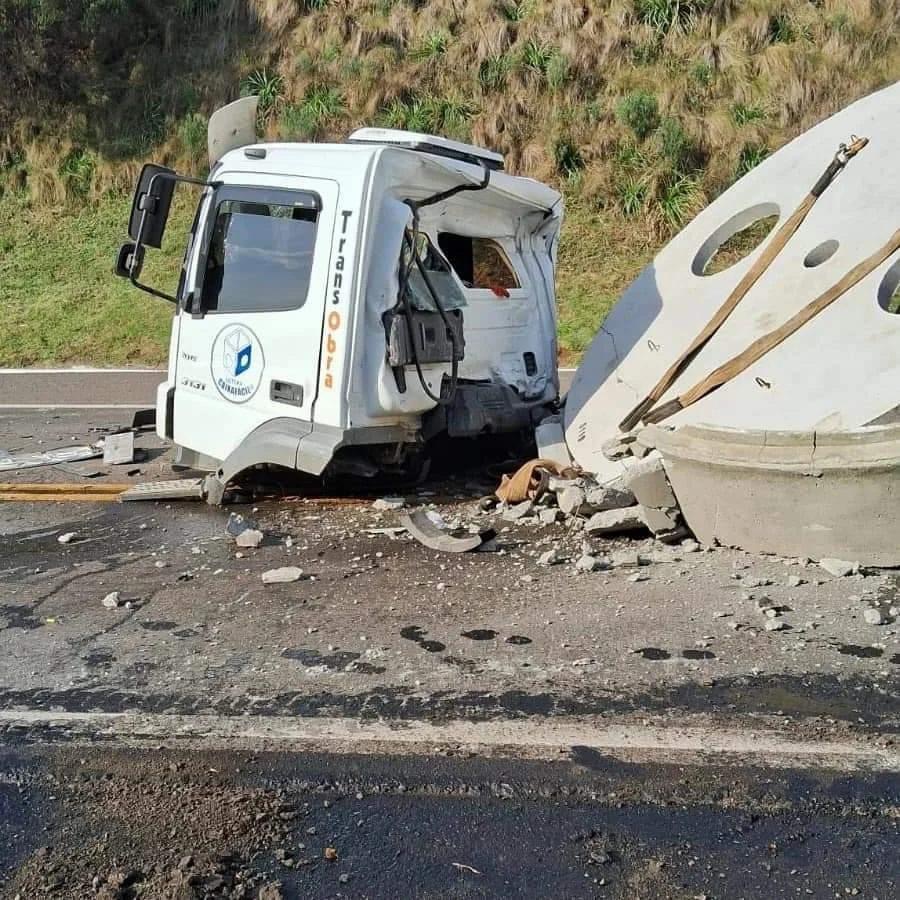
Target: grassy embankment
pixel 640 110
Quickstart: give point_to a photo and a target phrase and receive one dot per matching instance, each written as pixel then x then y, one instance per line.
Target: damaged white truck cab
pixel 340 305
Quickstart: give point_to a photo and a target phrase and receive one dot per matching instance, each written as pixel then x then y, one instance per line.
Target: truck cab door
pixel 250 326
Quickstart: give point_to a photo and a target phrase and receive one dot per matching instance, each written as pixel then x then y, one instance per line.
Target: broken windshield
pixel 260 255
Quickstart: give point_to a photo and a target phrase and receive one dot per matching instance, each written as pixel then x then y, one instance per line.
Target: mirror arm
pixel 133 269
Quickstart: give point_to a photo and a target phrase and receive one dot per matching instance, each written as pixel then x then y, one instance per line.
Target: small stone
pixel 774 625
pixel 623 559
pixel 638 576
pixel 839 568
pixel 690 546
pixel 160 564
pixel 249 539
pixel 284 575
pixel 588 563
pixel 387 504
pixel 874 616
pixel 550 558
pixel 486 504
pixel 795 581
pixel 343 878
pixel 67 538
pixel 519 511
pixel 331 854
pixel 112 601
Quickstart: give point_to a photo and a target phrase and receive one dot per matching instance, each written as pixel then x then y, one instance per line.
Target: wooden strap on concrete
pixel 767 342
pixel 757 270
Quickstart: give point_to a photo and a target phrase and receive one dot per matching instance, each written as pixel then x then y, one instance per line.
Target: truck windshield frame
pixel 258 250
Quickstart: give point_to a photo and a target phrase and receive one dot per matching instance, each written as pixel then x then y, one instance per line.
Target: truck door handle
pixel 285 392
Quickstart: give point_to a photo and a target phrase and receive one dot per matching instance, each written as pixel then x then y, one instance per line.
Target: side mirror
pixel 130 261
pixel 152 201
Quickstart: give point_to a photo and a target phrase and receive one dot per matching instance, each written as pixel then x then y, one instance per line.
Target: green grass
pixel 62 304
pixel 59 299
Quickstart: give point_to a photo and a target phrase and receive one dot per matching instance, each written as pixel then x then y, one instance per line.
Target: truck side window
pixel 260 257
pixel 439 275
pixel 480 263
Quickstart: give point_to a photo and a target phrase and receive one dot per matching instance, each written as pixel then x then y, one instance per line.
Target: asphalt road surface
pixel 401 723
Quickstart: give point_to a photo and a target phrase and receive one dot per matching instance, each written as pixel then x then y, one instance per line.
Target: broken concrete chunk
pixel 388 504
pixel 613 521
pixel 621 559
pixel 795 581
pixel 648 482
pixel 285 575
pixel 571 500
pixel 112 600
pixel 874 616
pixel 249 538
pixel 690 546
pixel 118 448
pixel 519 511
pixel 638 576
pixel 589 563
pixel 775 625
pixel 67 538
pixel 549 516
pixel 659 520
pixel 840 568
pixel 608 496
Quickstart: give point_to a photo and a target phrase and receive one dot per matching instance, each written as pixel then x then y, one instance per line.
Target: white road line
pixel 146 405
pixel 541 739
pixel 82 371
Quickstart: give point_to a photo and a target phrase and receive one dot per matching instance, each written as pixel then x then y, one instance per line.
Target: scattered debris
pixel 389 504
pixel 9 462
pixel 118 449
pixel 67 538
pixel 424 529
pixel 285 575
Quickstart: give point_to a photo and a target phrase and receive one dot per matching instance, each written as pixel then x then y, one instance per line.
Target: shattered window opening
pixel 480 263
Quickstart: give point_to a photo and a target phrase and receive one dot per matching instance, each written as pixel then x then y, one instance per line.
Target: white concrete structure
pixel 840 371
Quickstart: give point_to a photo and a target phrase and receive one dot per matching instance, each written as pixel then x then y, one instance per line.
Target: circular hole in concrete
pixel 821 254
pixel 889 290
pixel 735 239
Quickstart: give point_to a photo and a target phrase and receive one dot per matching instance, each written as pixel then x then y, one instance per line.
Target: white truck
pixel 342 305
